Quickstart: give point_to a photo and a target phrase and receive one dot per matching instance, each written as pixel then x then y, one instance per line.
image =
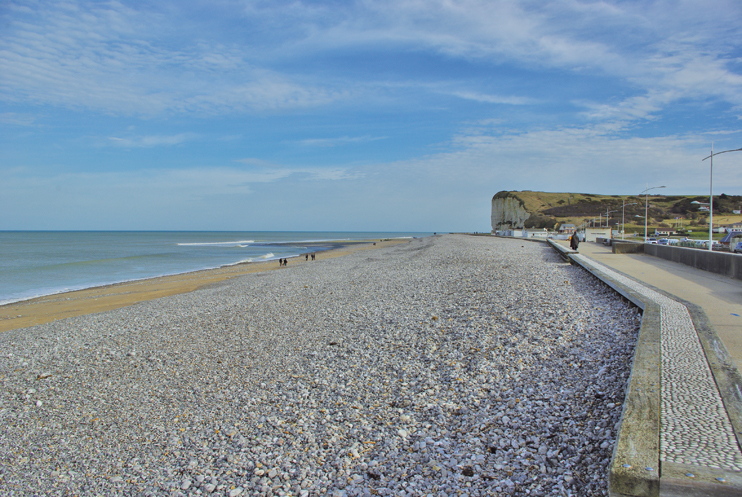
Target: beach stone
pixel 332 378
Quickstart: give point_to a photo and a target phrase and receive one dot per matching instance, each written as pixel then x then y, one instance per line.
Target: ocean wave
pixel 264 257
pixel 238 243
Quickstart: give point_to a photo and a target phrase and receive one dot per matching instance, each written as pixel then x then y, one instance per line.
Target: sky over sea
pixel 355 115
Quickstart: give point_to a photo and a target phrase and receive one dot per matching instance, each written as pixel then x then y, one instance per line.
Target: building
pixel 567 229
pixel 592 234
pixel 730 236
pixel 535 233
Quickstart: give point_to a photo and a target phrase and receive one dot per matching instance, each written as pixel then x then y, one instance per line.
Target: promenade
pixel 719 297
pixel 683 437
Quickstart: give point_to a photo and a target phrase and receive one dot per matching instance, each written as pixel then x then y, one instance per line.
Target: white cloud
pixel 493 99
pixel 442 191
pixel 116 59
pixel 17 119
pixel 342 140
pixel 122 60
pixel 663 51
pixel 150 141
pixel 252 161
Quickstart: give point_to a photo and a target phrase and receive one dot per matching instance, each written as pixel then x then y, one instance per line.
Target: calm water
pixel 36 263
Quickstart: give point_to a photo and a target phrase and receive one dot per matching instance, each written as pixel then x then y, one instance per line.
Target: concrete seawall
pixel 724 263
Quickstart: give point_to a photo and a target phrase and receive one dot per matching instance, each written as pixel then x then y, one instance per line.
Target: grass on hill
pixel 664 211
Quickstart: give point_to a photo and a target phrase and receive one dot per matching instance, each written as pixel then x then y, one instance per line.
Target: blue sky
pixel 355 115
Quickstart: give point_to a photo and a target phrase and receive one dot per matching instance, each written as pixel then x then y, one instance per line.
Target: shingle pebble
pixel 452 365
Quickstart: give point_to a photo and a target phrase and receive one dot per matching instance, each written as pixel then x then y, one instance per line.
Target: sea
pixel 40 263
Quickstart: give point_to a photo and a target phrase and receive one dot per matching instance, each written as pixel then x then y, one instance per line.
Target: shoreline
pixel 62 305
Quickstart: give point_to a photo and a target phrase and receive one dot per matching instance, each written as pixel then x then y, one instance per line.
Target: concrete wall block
pixel 724 263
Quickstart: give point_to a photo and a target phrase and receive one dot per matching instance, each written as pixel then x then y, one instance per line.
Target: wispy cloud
pixel 440 191
pixel 17 119
pixel 120 59
pixel 341 140
pixel 665 52
pixel 459 98
pixel 151 141
pixel 252 161
pixel 117 59
pixel 493 99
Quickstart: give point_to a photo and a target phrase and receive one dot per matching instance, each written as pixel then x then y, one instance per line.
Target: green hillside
pixel 550 209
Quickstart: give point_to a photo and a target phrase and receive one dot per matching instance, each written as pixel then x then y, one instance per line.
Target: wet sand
pixel 105 298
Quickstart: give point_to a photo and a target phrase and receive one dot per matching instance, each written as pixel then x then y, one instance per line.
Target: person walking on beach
pixel 574 241
pixel 306 257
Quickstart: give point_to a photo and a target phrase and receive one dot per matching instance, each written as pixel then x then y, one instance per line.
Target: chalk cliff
pixel 508 211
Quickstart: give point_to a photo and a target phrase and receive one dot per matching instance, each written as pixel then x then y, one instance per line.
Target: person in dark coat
pixel 574 242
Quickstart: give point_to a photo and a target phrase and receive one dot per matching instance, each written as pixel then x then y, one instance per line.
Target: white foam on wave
pixel 238 243
pixel 263 257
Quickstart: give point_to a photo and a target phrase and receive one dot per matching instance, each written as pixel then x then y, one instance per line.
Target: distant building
pixel 663 232
pixel 567 229
pixel 591 234
pixel 729 236
pixel 535 233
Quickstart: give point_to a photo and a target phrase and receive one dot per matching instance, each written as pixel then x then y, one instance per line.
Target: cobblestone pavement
pixel 695 427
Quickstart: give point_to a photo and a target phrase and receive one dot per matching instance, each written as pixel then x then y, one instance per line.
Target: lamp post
pixel 696 202
pixel 646 207
pixel 608 221
pixel 711 191
pixel 623 217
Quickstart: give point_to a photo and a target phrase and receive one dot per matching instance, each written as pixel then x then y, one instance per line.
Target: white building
pixel 535 233
pixel 591 234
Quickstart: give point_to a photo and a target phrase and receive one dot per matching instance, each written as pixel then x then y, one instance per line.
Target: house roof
pixel 730 235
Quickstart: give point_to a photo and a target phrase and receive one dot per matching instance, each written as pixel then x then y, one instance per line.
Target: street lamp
pixel 623 217
pixel 607 217
pixel 646 207
pixel 711 191
pixel 608 222
pixel 696 202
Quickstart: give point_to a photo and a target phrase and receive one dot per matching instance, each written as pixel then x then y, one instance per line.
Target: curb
pixel 563 251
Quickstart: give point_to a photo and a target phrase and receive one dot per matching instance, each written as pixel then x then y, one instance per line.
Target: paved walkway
pixel 699 452
pixel 719 296
pixel 695 426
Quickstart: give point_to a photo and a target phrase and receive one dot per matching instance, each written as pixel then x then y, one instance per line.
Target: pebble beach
pixel 450 365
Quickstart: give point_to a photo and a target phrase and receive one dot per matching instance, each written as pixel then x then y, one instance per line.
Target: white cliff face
pixel 508 213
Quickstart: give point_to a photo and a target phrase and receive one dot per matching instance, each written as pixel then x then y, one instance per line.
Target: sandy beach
pixel 105 298
pixel 449 365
